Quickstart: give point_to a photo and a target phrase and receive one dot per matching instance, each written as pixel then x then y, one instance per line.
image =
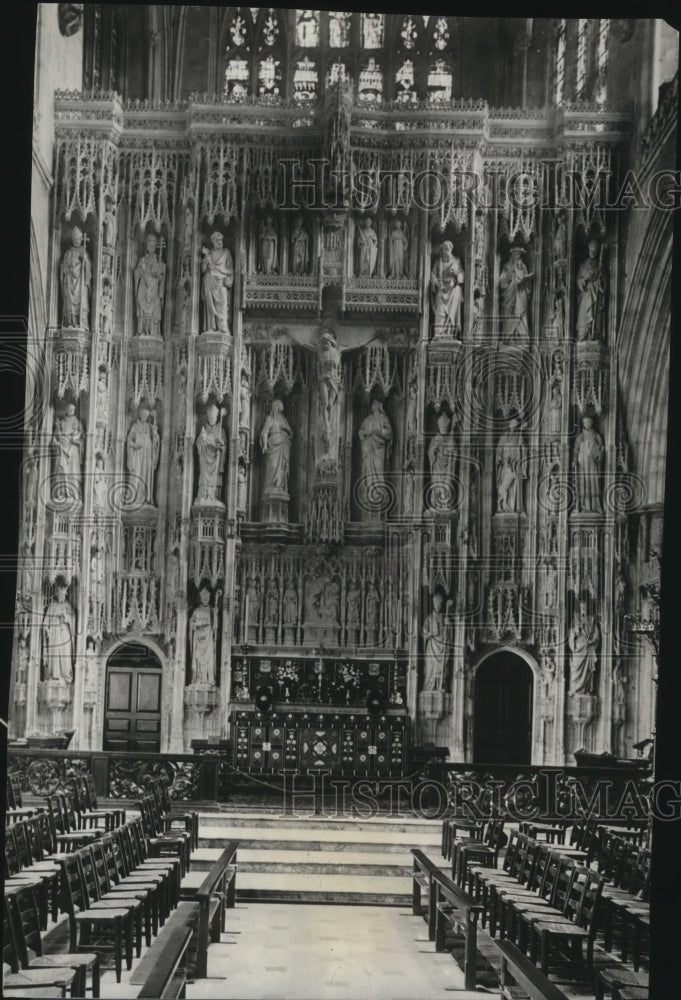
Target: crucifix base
pixel 275 508
pixel 323 522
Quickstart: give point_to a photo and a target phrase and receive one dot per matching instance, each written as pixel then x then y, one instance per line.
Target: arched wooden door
pixel 132 710
pixel 502 727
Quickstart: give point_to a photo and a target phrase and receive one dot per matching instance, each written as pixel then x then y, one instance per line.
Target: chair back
pixel 101 867
pixel 90 792
pixel 87 862
pixel 10 951
pixel 113 860
pixel 23 844
pixel 55 810
pixel 24 913
pixel 512 851
pixel 75 892
pixel 12 858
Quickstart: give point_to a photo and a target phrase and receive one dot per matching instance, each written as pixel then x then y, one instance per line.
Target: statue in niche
pixel 372 604
pixel 269 246
pixel 442 461
pixel 352 609
pixel 59 635
pixel 242 488
pixel 68 443
pixel 203 639
pixel 367 249
pixel 252 601
pixel 588 455
pixel 102 406
pixel 290 602
pixel 591 295
pixel 398 246
pixel 176 475
pixel 446 290
pixel 271 603
pixel 555 409
pixel 514 283
pixel 22 660
pixel 560 238
pixel 76 279
pixel 328 608
pixel 109 223
pixel 150 279
pixel 300 248
pixel 142 449
pixel 217 268
pixel 511 469
pixel 100 487
pixel 31 478
pixel 329 362
pixel 275 441
pixel 173 574
pixel 106 310
pixel 211 445
pixel 583 639
pixel 245 401
pixel 181 400
pixel 97 589
pixel 550 585
pixel 479 236
pixel 188 223
pixel 375 435
pixel 435 646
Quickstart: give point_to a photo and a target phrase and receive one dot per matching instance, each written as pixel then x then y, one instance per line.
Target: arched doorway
pixel 502 710
pixel 132 708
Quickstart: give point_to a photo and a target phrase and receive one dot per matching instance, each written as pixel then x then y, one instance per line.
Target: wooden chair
pixel 99 899
pixel 159 843
pixel 481 878
pixel 89 797
pixel 484 852
pixel 190 818
pixel 549 878
pixel 89 818
pixel 66 833
pixel 47 872
pixel 117 894
pixel 112 924
pixel 16 810
pixel 150 884
pixel 170 864
pixel 24 914
pixel 582 928
pixel 28 978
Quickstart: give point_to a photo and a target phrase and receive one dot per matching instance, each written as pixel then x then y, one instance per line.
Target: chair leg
pixel 95 980
pixel 118 948
pixel 544 952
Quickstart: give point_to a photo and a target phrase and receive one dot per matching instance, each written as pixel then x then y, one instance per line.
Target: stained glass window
pixel 236 78
pixel 307 28
pixel 337 71
pixel 371 82
pixel 582 38
pixel 270 30
pixel 372 31
pixel 408 32
pixel 405 91
pixel 439 81
pixel 269 77
pixel 559 91
pixel 237 31
pixel 305 80
pixel 339 29
pixel 441 34
pixel 602 61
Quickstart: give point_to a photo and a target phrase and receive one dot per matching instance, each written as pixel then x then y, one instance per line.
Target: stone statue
pixel 211 445
pixel 514 282
pixel 109 224
pixel 275 441
pixel 59 636
pixel 271 603
pixel 203 639
pixel 555 409
pixel 245 401
pixel 100 487
pixel 68 443
pixel 398 246
pixel 269 246
pixel 591 295
pixel 102 405
pixel 31 473
pixel 442 461
pixel 375 435
pixel 150 279
pixel 588 455
pixel 446 290
pixel 560 238
pixel 300 248
pixel 76 279
pixel 252 609
pixel 367 249
pixel 217 267
pixel 290 603
pixel 550 585
pixel 511 469
pixel 371 603
pixel 583 639
pixel 242 488
pixel 352 606
pixel 329 363
pixel 434 635
pixel 143 445
pixel 98 589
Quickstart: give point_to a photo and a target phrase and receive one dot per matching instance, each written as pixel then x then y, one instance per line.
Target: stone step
pixel 370 890
pixel 377 824
pixel 215 836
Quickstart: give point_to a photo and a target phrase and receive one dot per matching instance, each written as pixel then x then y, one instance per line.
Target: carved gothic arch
pixel 536 734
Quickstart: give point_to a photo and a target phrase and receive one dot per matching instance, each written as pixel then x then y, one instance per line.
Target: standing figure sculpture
pixel 290 603
pixel 442 461
pixel 142 450
pixel 150 279
pixel 75 273
pixel 275 441
pixel 591 299
pixel 217 267
pixel 375 435
pixel 300 252
pixel 435 646
pixel 446 290
pixel 514 282
pixel 555 409
pixel 583 640
pixel 328 359
pixel 367 249
pixel 59 636
pixel 269 246
pixel 397 250
pixel 211 445
pixel 588 455
pixel 511 469
pixel 68 443
pixel 203 639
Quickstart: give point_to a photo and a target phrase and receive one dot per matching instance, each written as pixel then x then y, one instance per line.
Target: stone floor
pixel 314 952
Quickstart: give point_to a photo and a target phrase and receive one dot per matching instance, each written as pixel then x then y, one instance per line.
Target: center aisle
pixel 286 951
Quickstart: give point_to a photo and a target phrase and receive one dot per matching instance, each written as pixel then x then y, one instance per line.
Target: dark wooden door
pixel 503 711
pixel 133 709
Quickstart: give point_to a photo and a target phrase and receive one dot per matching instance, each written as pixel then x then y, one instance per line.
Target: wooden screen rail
pixel 166 961
pixel 525 974
pixel 422 880
pixel 455 906
pixel 216 893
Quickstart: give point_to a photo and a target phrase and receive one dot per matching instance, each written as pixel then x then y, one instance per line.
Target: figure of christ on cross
pixel 329 358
